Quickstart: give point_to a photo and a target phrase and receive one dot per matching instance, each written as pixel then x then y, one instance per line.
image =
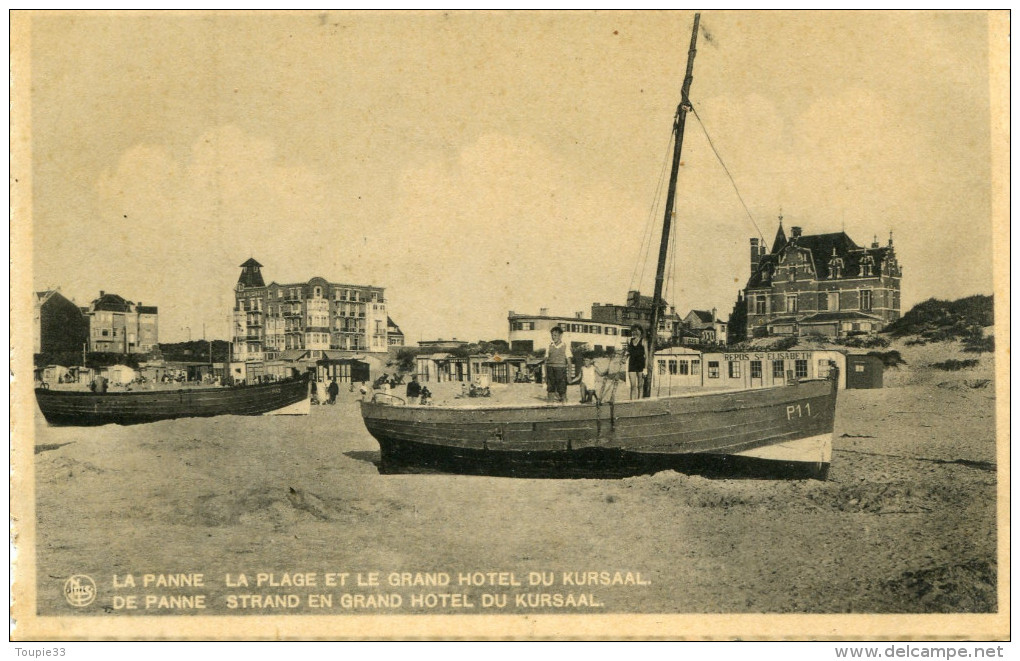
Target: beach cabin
pixel 498 368
pixel 864 371
pixel 121 374
pixel 52 374
pixel 761 369
pixel 677 367
pixel 334 365
pixel 440 367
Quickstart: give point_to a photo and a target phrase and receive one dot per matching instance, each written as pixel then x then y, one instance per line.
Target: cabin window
pixel 662 367
pixel 800 369
pixel 713 369
pixel 672 367
pixel 778 369
pixel 755 369
pixel 695 367
pixel 734 369
pixel 683 367
pixel 759 304
pixel 865 299
pixel 823 368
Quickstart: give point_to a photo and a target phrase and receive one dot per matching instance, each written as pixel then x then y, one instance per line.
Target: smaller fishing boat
pixel 89 409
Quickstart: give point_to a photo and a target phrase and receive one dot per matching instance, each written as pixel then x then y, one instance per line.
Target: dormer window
pixel 835 266
pixel 867 265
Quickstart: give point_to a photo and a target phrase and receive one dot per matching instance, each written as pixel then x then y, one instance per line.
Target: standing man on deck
pixel 413 390
pixel 557 358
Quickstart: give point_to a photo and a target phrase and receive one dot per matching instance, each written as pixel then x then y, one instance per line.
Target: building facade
pixel 58 324
pixel 117 325
pixel 823 284
pixel 394 336
pixel 529 333
pixel 707 325
pixel 638 310
pixel 317 315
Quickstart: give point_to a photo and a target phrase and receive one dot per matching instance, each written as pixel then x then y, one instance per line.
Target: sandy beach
pixel 906 522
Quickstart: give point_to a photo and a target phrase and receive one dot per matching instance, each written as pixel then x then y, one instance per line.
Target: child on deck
pixel 588 377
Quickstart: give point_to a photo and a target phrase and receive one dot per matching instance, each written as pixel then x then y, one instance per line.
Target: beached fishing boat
pixel 87 409
pixel 780 431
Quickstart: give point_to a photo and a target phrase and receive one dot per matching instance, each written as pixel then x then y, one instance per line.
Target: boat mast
pixel 660 271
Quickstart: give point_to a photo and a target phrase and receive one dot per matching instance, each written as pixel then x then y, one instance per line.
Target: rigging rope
pixel 651 224
pixel 726 170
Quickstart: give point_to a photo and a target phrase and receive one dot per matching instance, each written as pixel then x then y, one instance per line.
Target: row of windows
pixel 826 301
pixel 680 366
pixel 836 269
pixel 297 293
pixel 800 368
pixel 591 329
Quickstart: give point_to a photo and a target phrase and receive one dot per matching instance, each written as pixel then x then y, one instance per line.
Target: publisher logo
pixel 80 590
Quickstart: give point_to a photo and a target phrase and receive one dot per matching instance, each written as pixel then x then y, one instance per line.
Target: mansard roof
pixel 822 247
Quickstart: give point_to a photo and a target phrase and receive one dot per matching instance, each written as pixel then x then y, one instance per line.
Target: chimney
pixel 874 242
pixel 579 315
pixel 713 314
pixel 543 312
pixel 102 293
pixel 795 232
pixel 755 256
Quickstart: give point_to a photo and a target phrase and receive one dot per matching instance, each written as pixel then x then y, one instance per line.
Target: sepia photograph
pixel 510 325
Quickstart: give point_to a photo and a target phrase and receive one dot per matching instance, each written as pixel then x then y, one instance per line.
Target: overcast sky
pixel 475 163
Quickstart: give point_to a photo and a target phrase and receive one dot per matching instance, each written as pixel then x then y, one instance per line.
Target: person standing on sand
pixel 557 359
pixel 333 391
pixel 636 361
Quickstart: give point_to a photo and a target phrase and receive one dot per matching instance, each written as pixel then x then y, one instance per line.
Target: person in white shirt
pixel 588 376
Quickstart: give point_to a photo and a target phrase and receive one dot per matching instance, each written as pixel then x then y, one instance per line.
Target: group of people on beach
pixel 332 390
pixel 558 358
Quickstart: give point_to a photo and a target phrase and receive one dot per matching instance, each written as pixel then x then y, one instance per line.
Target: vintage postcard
pixel 510 325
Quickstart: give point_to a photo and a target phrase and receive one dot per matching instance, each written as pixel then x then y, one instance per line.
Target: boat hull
pixel 86 409
pixel 769 433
